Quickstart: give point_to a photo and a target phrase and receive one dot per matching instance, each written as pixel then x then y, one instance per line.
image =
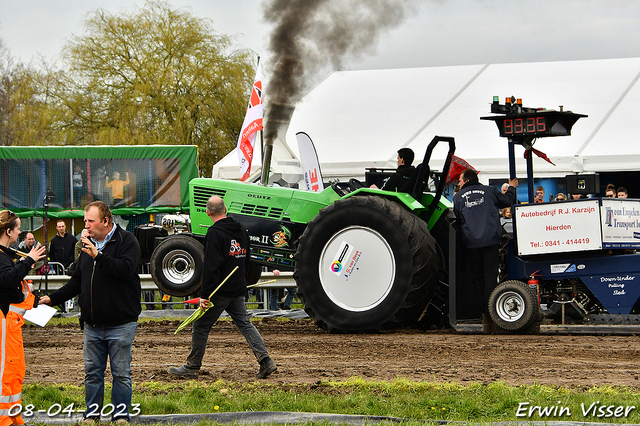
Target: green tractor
pixel 363 259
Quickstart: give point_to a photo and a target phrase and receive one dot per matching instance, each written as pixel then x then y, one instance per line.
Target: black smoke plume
pixel 311 38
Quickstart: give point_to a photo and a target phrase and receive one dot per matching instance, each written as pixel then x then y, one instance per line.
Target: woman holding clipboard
pixel 15 299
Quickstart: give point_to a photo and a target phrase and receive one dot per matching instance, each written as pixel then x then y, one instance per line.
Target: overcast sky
pixel 441 32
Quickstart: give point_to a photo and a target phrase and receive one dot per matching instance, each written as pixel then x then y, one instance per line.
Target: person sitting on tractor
pixel 403 172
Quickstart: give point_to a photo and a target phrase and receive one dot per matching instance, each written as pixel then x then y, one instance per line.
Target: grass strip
pixel 417 401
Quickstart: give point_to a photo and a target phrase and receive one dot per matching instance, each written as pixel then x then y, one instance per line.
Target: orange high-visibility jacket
pixel 12 365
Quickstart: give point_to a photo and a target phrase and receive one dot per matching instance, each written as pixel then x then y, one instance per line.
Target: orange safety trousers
pixel 12 366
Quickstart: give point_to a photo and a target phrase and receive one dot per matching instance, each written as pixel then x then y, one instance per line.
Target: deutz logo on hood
pixel 262 197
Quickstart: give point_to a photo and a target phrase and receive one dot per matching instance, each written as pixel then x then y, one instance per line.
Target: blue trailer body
pixel 613 279
pixel 590 242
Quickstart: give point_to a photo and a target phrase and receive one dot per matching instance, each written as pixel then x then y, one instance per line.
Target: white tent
pixel 360 119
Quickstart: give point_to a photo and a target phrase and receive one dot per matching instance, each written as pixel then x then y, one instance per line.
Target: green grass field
pixel 417 402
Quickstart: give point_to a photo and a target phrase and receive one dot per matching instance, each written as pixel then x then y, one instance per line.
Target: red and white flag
pixel 250 127
pixel 458 165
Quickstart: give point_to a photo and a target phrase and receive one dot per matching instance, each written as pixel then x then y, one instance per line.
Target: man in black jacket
pixel 226 246
pixel 477 208
pixel 106 278
pixel 403 173
pixel 62 245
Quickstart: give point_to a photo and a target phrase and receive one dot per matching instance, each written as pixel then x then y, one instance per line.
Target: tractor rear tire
pixel 365 264
pixel 513 306
pixel 176 265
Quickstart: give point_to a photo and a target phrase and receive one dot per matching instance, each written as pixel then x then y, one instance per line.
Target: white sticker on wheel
pixel 339 259
pixel 351 263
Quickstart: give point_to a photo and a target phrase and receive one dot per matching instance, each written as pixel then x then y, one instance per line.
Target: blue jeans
pixel 291 293
pixel 77 196
pixel 274 302
pixel 236 308
pixel 274 298
pixel 114 342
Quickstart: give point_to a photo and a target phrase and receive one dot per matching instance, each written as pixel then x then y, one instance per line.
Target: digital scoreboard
pixel 523 126
pixel 519 121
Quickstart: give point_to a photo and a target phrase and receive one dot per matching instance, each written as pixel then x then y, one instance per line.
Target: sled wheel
pixel 513 306
pixel 177 264
pixel 365 264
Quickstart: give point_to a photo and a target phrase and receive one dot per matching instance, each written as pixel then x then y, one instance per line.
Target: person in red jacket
pixel 15 299
pixel 226 246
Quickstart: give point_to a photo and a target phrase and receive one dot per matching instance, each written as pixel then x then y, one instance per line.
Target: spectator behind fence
pixel 117 188
pixel 77 181
pixel 26 246
pixel 107 280
pixel 62 245
pixel 277 298
pixel 610 192
pixel 98 180
pixel 622 192
pixel 539 198
pixel 561 197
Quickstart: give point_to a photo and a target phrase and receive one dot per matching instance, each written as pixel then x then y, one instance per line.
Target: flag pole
pixel 261 133
pixel 251 125
pixel 266 157
pixel 262 149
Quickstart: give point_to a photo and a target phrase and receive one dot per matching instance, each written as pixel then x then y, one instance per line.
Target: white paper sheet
pixel 40 315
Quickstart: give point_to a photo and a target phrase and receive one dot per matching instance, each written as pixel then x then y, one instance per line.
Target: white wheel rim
pixel 510 306
pixel 357 268
pixel 178 266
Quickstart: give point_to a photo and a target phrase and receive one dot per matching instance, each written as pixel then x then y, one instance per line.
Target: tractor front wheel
pixel 176 265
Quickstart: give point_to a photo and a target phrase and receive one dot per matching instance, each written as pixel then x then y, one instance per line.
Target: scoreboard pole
pixel 530 177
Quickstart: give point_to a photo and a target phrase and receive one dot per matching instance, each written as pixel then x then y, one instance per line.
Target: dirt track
pixel 305 354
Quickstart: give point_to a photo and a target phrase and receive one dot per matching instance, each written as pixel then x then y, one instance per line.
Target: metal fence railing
pixel 54 282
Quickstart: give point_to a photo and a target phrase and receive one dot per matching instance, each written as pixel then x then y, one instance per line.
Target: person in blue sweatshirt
pixel 477 208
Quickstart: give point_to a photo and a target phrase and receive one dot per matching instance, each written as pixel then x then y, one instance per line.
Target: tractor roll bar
pixel 423 176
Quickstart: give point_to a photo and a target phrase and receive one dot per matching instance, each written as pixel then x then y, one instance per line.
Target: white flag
pixel 251 125
pixel 309 163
